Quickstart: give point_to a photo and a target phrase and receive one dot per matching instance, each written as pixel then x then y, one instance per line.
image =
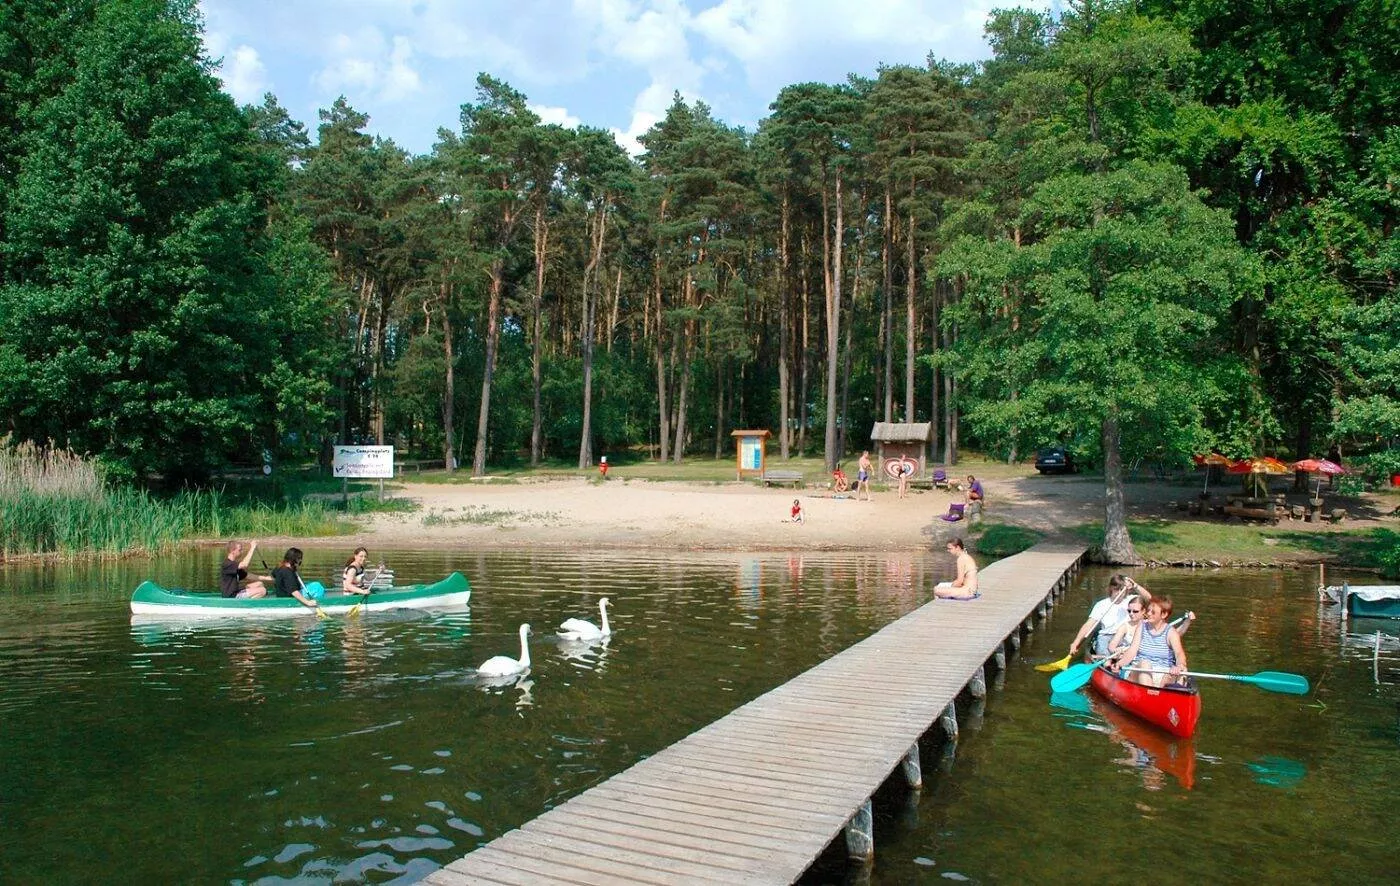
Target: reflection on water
pixel 364 749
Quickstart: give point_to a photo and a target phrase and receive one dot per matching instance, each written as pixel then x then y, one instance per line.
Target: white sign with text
pixel 364 462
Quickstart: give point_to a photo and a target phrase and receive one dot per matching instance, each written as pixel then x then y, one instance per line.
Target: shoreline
pixel 633 514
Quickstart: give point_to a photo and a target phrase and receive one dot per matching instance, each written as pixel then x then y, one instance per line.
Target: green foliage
pixel 999 540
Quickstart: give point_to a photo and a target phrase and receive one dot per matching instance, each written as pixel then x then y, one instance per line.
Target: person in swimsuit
pixel 964 587
pixel 1156 653
pixel 796 510
pixel 863 476
pixel 352 579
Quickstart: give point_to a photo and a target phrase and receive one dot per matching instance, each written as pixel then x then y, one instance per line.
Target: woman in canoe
pixel 352 579
pixel 1156 651
pixel 288 580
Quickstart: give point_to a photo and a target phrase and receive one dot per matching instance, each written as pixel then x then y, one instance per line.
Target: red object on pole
pixel 603 467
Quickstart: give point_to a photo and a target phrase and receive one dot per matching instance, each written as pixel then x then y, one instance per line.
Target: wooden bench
pixel 780 477
pixel 1271 514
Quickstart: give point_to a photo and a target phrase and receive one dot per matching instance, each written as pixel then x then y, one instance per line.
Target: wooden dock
pixel 756 796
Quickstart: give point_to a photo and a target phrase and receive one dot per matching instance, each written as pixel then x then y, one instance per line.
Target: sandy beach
pixel 572 513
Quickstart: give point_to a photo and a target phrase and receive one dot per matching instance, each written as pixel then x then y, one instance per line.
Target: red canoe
pixel 1175 709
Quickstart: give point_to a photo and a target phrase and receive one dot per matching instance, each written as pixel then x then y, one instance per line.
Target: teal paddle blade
pixel 1073 677
pixel 1279 681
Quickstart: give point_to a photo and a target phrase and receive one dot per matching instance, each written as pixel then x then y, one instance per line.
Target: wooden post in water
pixel 978 684
pixel 1029 625
pixel 949 721
pixel 913 770
pixel 998 658
pixel 1015 641
pixel 860 833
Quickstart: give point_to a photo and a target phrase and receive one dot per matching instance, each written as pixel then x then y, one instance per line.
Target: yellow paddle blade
pixel 1052 666
pixel 321 614
pixel 354 611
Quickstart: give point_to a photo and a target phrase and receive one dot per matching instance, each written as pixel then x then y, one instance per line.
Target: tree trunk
pixel 590 303
pixel 803 386
pixel 887 304
pixel 683 395
pixel 449 386
pixel 950 440
pixel 784 338
pixel 833 327
pixel 850 327
pixel 537 345
pixel 910 290
pixel 1117 544
pixel 493 335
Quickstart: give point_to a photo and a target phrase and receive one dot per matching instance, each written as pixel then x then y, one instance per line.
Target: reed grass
pixel 53 502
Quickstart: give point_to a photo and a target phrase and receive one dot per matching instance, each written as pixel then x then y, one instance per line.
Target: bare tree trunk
pixel 449 385
pixel 683 394
pixel 663 422
pixel 887 305
pixel 950 440
pixel 1117 543
pixel 493 335
pixel 719 408
pixel 935 417
pixel 806 349
pixel 833 324
pixel 911 288
pixel 590 302
pixel 784 338
pixel 617 300
pixel 537 344
pixel 846 359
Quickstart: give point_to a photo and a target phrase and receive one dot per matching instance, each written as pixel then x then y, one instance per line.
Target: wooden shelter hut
pixel 899 442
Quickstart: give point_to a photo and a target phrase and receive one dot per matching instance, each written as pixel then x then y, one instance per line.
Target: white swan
pixel 504 665
pixel 578 629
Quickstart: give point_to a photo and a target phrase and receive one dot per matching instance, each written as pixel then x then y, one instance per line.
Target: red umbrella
pixel 1208 461
pixel 1257 467
pixel 1319 466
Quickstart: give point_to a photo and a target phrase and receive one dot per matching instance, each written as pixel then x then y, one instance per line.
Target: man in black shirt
pixel 234 571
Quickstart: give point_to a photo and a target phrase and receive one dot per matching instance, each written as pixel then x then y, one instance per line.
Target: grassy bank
pixel 55 503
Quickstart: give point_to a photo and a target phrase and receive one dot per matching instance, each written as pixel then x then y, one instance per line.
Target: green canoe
pixel 152 599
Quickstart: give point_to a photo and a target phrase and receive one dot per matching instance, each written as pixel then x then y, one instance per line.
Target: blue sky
pixel 410 64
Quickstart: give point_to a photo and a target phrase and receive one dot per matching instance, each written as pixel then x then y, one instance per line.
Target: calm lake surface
pixel 362 750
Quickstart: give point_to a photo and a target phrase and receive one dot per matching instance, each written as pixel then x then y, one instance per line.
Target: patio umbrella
pixel 1253 468
pixel 1208 461
pixel 1319 466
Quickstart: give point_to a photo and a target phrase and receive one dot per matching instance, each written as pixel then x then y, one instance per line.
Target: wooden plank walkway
pixel 757 795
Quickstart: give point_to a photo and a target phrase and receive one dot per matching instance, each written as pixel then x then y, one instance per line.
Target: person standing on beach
pixel 964 587
pixel 863 475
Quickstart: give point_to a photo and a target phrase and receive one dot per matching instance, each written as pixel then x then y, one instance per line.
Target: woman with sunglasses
pixel 1156 651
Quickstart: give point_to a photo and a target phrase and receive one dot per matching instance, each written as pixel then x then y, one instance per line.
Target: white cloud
pixel 241 70
pixel 559 116
pixel 367 63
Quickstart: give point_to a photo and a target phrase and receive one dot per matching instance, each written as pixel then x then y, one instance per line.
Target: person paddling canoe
pixel 1156 653
pixel 1108 614
pixel 234 570
pixel 289 584
pixel 353 577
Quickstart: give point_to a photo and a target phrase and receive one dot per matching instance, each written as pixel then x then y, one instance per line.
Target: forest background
pixel 1143 230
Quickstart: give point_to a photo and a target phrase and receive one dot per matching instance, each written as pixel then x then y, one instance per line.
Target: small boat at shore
pixel 1366 601
pixel 152 599
pixel 1173 708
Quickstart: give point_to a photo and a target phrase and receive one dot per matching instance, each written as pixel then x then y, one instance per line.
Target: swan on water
pixel 579 629
pixel 504 665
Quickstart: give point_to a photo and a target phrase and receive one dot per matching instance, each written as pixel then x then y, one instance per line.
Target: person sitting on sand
pixel 1156 654
pixel 234 571
pixel 973 490
pixel 796 510
pixel 964 587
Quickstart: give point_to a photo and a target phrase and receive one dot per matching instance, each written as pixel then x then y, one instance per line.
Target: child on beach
pixel 796 510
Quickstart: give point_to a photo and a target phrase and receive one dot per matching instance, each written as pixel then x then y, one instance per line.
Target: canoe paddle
pixel 1076 676
pixel 369 589
pixel 1274 681
pixel 1061 664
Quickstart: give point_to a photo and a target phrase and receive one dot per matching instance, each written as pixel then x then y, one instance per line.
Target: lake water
pixel 362 750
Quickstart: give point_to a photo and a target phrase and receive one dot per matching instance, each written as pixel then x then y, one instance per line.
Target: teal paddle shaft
pixel 1274 681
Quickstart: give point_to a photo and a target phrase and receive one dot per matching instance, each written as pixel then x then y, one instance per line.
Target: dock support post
pixel 978 684
pixel 1040 611
pixel 1029 625
pixel 1015 641
pixel 949 721
pixel 860 833
pixel 913 770
pixel 999 658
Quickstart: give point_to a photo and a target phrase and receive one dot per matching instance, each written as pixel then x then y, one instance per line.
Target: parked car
pixel 1054 460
